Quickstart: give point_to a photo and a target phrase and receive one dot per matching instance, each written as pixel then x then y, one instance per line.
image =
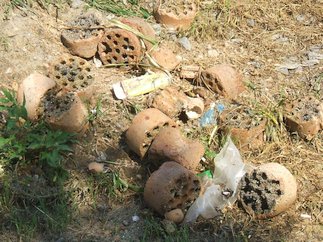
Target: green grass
pixel 153 229
pixel 119 8
pixel 28 213
pixel 32 195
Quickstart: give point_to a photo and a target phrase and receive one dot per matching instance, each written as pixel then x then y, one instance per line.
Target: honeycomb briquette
pixel 119 47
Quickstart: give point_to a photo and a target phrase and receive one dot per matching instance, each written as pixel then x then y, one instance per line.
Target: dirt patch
pixel 260 192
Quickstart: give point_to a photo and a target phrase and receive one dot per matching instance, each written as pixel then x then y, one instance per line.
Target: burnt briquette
pixel 306 109
pixel 83 27
pixel 119 46
pixel 259 192
pixel 178 8
pixel 243 117
pixel 73 73
pixel 183 193
pixel 54 105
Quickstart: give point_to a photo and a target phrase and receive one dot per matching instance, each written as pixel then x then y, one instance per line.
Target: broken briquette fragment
pixel 144 128
pixel 82 36
pixel 31 91
pixel 65 111
pixel 175 14
pixel 304 116
pixel 170 144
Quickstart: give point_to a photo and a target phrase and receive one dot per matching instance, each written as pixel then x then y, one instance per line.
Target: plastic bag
pixel 221 190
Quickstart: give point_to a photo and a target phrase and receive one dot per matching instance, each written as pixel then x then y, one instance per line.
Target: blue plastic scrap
pixel 220 107
pixel 208 117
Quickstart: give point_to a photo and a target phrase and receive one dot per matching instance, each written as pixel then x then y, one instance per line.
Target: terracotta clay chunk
pixel 165 57
pixel 65 111
pixel 32 89
pixel 170 144
pixel 143 27
pixel 143 129
pixel 305 116
pixel 268 190
pixel 73 74
pixel 171 187
pixel 175 14
pixel 170 101
pixel 245 127
pixel 119 46
pixel 82 39
pixel 224 80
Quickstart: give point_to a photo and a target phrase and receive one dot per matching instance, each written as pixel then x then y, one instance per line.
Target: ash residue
pixel 83 27
pixel 259 192
pixel 54 104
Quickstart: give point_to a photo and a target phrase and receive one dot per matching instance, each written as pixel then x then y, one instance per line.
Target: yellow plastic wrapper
pixel 141 85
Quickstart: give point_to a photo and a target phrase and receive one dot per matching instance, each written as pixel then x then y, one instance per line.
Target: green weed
pixel 119 8
pixel 23 142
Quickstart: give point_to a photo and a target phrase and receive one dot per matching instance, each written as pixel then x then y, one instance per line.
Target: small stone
pixel 306 216
pixel 97 62
pixel 300 18
pixel 251 22
pixel 96 167
pixel 212 53
pixel 101 157
pixel 9 70
pixel 125 223
pixel 184 41
pixel 282 70
pixel 175 215
pixel 309 63
pixel 135 218
pixel 157 28
pixel 313 55
pixel 76 3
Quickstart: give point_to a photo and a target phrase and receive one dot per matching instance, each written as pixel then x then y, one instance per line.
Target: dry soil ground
pixel 264 40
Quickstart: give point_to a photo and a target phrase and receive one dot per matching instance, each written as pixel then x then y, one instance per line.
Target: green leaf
pixel 4 100
pixel 4 141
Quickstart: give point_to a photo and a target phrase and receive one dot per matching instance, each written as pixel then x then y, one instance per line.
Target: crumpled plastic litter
pixel 209 117
pixel 221 190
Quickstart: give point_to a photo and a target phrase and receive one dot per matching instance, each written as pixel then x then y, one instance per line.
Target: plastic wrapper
pixel 221 190
pixel 141 85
